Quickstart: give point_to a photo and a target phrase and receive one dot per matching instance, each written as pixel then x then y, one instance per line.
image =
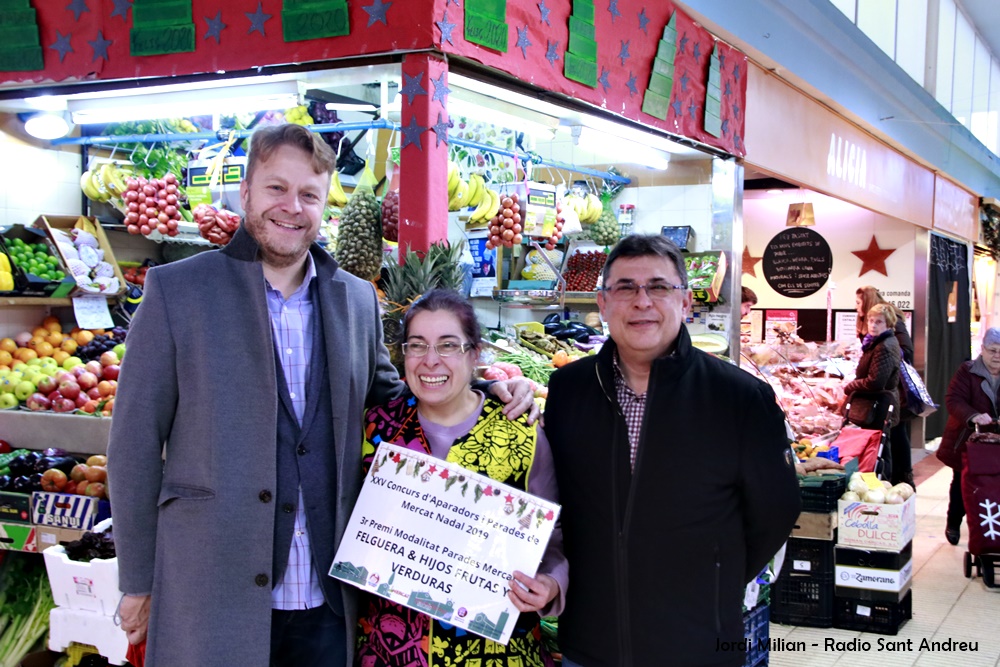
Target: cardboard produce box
pixel 816 526
pixel 47 536
pixel 27 283
pixel 67 510
pixel 878 575
pixel 15 507
pixel 58 228
pixel 17 537
pixel 875 526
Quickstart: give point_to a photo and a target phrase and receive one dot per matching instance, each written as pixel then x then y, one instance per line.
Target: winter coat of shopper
pixel 878 368
pixel 675 477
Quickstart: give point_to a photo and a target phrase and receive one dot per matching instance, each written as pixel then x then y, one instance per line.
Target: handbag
pixel 917 400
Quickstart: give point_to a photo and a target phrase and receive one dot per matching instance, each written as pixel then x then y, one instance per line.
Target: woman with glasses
pixel 878 368
pixel 971 401
pixel 452 420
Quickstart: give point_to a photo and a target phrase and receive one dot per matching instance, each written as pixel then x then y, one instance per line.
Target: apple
pixel 81 400
pixel 54 395
pixel 97 460
pixel 94 393
pixel 94 367
pixel 79 472
pixel 54 479
pixel 8 401
pixel 38 402
pixel 111 372
pixel 119 350
pixel 71 362
pixel 95 490
pixel 96 474
pixel 87 380
pixel 24 389
pixel 47 384
pixel 63 376
pixel 69 390
pixel 63 405
pixel 108 358
pixel 81 488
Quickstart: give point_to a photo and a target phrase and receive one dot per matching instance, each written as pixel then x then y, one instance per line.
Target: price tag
pixel 92 312
pixel 802 565
pixel 751 594
pixel 873 482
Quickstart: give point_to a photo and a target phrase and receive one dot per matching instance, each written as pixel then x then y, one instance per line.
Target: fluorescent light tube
pixel 182 104
pixel 617 149
pixel 347 106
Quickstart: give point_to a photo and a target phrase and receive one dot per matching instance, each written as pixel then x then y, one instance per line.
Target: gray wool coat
pixel 193 446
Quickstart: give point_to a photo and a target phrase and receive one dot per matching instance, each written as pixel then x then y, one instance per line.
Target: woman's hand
pixel 532 593
pixel 982 419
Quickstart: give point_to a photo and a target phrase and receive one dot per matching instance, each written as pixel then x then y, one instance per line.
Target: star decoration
pixel 736 71
pixel 725 126
pixel 736 110
pixel 683 44
pixel 257 19
pixel 684 82
pixel 78 7
pixel 441 89
pixel 550 52
pixel 693 110
pixel 737 141
pixel 411 86
pixel 623 54
pixel 376 12
pixel 215 27
pixel 444 474
pixel 440 129
pixel 445 27
pixel 545 13
pixel 603 79
pixel 749 262
pixel 433 468
pixel 411 133
pixel 873 258
pixel 522 41
pixel 643 20
pixel 676 104
pixel 613 8
pixel 100 46
pixel 697 50
pixel 630 84
pixel 121 9
pixel 722 61
pixel 508 498
pixel 728 91
pixel 62 45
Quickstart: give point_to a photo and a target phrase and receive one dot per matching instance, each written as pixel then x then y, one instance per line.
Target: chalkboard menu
pixel 797 262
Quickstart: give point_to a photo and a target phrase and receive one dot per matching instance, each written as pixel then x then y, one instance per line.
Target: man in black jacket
pixel 675 476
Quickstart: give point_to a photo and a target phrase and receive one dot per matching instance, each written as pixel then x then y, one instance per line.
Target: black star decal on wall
pixel 544 12
pixel 445 27
pixel 411 133
pixel 78 7
pixel 411 86
pixel 551 53
pixel 630 84
pixel 623 54
pixel 100 46
pixel 121 9
pixel 215 28
pixel 257 19
pixel 441 89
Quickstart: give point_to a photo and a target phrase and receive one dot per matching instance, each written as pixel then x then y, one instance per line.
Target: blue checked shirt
pixel 292 325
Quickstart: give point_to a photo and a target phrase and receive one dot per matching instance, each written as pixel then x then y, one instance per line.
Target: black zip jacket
pixel 659 558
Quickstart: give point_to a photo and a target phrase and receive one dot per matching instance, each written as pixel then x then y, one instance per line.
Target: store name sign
pixel 847 161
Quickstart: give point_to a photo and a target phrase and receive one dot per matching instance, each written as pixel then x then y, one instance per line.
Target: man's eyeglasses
pixel 446 348
pixel 627 290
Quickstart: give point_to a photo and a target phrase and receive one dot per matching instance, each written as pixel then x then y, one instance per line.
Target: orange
pixel 35 342
pixel 26 354
pixel 5 358
pixel 40 331
pixel 60 356
pixel 52 323
pixel 84 336
pixel 55 338
pixel 69 345
pixel 8 345
pixel 44 349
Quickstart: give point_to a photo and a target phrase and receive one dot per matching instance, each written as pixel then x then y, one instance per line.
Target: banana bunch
pixel 487 207
pixel 102 183
pixel 336 195
pixel 587 208
pixel 299 115
pixel 458 189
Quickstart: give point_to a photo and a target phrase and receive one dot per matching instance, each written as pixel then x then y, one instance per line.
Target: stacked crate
pixel 804 591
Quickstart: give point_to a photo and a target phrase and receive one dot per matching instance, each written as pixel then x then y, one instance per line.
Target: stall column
pixel 423 179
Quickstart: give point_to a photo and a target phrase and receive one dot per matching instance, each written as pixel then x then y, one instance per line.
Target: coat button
pixel 288 508
pixel 301 450
pixel 260 580
pixel 265 496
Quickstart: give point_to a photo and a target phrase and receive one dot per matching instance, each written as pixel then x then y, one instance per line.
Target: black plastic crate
pixel 757 632
pixel 803 593
pixel 820 494
pixel 880 617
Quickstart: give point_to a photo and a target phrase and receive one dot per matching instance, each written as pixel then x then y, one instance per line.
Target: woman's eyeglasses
pixel 445 348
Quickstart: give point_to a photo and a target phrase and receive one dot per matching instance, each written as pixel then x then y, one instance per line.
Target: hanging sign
pixel 797 262
pixel 432 536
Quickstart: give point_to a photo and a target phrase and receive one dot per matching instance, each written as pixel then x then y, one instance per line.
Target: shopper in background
pixel 248 373
pixel 747 301
pixel 972 400
pixel 878 368
pixel 675 476
pixel 452 421
pixel 900 458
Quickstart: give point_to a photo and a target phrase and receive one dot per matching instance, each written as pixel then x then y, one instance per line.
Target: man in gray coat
pixel 235 451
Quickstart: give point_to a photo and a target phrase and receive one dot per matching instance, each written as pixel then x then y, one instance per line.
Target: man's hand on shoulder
pixel 519 396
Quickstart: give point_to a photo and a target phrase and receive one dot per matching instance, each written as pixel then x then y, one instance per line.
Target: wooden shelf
pixel 77 434
pixel 34 301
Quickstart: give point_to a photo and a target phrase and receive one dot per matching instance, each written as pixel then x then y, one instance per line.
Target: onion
pixel 850 496
pixel 904 490
pixel 855 476
pixel 874 496
pixel 22 338
pixel 894 498
pixel 886 484
pixel 858 486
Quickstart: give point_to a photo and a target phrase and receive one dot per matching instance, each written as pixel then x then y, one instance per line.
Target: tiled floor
pixel 946 605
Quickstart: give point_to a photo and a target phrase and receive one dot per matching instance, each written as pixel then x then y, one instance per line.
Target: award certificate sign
pixel 435 537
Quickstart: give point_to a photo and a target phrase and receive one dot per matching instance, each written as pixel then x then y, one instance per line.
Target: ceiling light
pixel 502 114
pixel 348 106
pixel 773 191
pixel 619 149
pixel 800 215
pixel 629 133
pixel 46 125
pixel 182 104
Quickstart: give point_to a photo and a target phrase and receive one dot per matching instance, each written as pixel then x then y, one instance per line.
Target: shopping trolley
pixel 864 433
pixel 981 495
